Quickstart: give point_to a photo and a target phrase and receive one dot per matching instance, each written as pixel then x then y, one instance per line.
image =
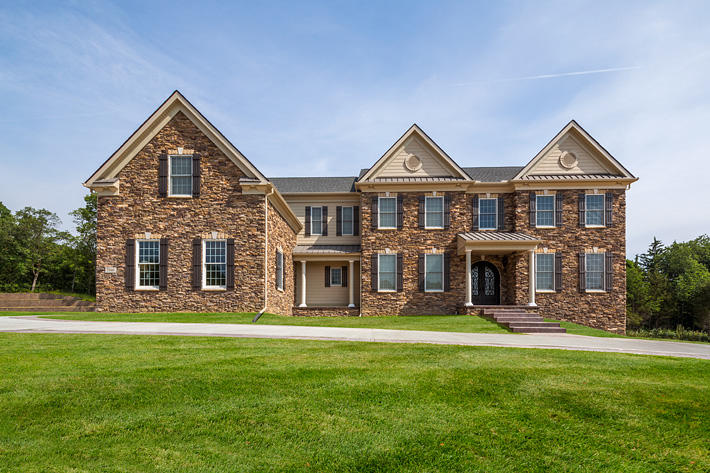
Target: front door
pixel 485 284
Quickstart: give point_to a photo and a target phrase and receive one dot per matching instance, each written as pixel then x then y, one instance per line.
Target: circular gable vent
pixel 568 160
pixel 413 163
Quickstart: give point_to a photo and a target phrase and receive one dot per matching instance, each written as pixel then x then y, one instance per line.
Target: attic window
pixel 180 175
pixel 413 163
pixel 568 160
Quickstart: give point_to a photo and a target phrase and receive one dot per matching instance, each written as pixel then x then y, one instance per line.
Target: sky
pixel 325 88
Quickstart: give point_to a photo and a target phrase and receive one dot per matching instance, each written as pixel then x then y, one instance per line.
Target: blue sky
pixel 324 88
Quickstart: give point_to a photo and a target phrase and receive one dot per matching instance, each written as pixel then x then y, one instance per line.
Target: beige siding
pixel 588 163
pixel 298 205
pixel 316 292
pixel 432 164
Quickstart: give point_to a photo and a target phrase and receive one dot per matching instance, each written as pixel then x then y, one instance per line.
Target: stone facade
pixel 281 238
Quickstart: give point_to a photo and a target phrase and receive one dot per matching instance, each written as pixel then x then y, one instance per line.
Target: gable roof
pixel 414 130
pixel 493 173
pixel 291 185
pixel 175 103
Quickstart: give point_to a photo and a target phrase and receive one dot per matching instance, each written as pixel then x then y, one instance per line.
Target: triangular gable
pixel 573 151
pixel 172 105
pixel 429 159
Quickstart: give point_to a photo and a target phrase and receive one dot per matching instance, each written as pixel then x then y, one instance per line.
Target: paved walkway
pixel 33 324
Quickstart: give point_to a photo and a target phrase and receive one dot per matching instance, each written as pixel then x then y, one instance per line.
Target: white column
pixel 531 274
pixel 351 283
pixel 303 284
pixel 468 279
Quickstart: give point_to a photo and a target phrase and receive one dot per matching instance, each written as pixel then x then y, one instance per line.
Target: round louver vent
pixel 413 163
pixel 568 160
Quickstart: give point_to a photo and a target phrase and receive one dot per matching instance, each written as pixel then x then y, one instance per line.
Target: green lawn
pixel 86 403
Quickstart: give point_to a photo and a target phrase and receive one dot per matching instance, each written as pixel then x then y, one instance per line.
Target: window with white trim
pixel 387 210
pixel 214 264
pixel 316 220
pixel 279 270
pixel 180 175
pixel 336 277
pixel 347 221
pixel 434 273
pixel 594 271
pixel 487 214
pixel 433 212
pixel 148 264
pixel 545 272
pixel 594 210
pixel 387 273
pixel 545 211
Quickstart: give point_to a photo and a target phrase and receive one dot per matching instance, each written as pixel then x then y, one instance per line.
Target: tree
pixel 84 243
pixel 37 237
pixel 640 306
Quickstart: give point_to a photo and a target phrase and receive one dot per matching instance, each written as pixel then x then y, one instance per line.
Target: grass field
pixel 85 403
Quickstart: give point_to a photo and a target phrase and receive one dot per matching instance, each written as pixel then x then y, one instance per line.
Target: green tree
pixel 83 265
pixel 37 237
pixel 641 308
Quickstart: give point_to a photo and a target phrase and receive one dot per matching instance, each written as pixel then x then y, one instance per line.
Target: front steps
pixel 522 320
pixel 41 302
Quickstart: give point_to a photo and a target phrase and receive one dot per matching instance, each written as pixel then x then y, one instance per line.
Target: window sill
pixel 387 228
pixel 147 289
pixel 434 228
pixel 386 290
pixel 214 289
pixel 429 291
pixel 545 291
pixel 179 197
pixel 336 285
pixel 488 229
pixel 280 289
pixel 545 226
pixel 595 291
pixel 595 226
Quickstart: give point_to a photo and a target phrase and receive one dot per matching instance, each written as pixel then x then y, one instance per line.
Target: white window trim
pixel 352 220
pixel 480 201
pixel 205 287
pixel 379 213
pixel 426 224
pixel 603 225
pixel 442 272
pixel 170 177
pixel 280 288
pixel 321 220
pixel 597 291
pixel 554 288
pixel 331 277
pixel 137 285
pixel 379 267
pixel 554 213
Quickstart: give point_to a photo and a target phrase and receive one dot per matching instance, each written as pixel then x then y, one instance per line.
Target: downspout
pixel 266 255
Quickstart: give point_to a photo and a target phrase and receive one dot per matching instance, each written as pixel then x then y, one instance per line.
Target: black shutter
pixel 501 213
pixel 609 205
pixel 230 263
pixel 558 209
pixel 279 266
pixel 196 174
pixel 324 221
pixel 400 272
pixel 163 175
pixel 558 271
pixel 474 226
pixel 130 271
pixel 373 272
pixel 197 264
pixel 344 276
pixel 400 212
pixel 447 272
pixel 308 221
pixel 375 214
pixel 580 208
pixel 163 267
pixel 582 273
pixel 422 210
pixel 609 267
pixel 338 221
pixel 533 209
pixel 327 276
pixel 356 220
pixel 420 269
pixel 447 211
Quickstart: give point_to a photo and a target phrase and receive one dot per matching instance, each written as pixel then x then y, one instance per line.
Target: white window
pixel 434 273
pixel 545 211
pixel 347 221
pixel 279 271
pixel 316 220
pixel 180 175
pixel 336 276
pixel 433 212
pixel 488 214
pixel 214 264
pixel 594 271
pixel 545 272
pixel 387 273
pixel 594 210
pixel 148 264
pixel 387 209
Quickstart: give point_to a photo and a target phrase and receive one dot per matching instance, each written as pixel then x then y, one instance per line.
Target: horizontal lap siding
pixel 298 205
pixel 316 292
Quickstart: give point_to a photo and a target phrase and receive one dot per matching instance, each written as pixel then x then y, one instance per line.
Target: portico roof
pixel 495 242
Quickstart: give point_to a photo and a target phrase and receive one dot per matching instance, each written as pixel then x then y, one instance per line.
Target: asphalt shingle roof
pixel 287 185
pixel 493 173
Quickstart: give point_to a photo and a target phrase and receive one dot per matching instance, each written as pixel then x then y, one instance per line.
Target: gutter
pixel 266 255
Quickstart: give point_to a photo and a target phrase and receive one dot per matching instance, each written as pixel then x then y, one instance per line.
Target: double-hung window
pixel 594 271
pixel 347 221
pixel 387 273
pixel 148 264
pixel 594 210
pixel 336 277
pixel 545 272
pixel 545 211
pixel 434 273
pixel 316 220
pixel 180 175
pixel 214 261
pixel 387 210
pixel 488 214
pixel 279 271
pixel 433 212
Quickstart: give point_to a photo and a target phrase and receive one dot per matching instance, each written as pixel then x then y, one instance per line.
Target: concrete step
pixel 538 330
pixel 531 324
pixel 43 303
pixel 47 309
pixel 522 320
pixel 6 296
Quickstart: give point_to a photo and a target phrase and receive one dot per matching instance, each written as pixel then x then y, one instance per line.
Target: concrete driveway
pixel 34 324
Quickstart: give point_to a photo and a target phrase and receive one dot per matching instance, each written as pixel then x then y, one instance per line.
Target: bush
pixel 680 333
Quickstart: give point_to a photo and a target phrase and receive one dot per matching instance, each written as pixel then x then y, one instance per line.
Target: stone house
pixel 187 223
